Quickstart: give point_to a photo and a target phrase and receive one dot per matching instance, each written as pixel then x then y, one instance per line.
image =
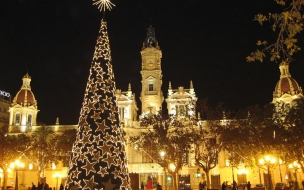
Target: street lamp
pixel 295 166
pixel 162 162
pixel 162 154
pixel 16 165
pixel 280 162
pixel 57 176
pixel 268 161
pixel 172 167
pixel 198 173
pixel 260 175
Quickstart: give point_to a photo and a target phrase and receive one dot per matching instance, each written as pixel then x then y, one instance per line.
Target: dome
pixel 25 96
pixel 286 84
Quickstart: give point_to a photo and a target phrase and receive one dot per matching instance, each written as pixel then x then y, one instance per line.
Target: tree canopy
pixel 286 26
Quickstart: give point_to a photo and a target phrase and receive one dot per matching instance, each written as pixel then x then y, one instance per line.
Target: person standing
pixel 149 185
pixel 248 186
pixel 234 185
pixel 61 187
pixel 224 186
pixel 158 186
pixel 200 186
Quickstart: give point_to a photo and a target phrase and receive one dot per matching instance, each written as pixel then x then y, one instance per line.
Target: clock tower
pixel 151 95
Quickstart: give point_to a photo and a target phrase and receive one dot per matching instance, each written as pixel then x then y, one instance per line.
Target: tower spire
pixel 150 40
pixel 170 92
pixel 98 159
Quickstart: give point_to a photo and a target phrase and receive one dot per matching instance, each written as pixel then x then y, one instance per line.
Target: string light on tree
pixel 98 159
pixel 103 4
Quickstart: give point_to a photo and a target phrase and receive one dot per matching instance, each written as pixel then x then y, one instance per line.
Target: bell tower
pixel 151 95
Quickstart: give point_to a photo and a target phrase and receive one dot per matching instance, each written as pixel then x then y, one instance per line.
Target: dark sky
pixel 204 41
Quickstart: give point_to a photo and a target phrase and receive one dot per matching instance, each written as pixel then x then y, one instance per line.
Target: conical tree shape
pixel 98 159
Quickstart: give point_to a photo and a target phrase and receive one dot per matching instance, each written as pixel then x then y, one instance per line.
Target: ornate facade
pixel 23 118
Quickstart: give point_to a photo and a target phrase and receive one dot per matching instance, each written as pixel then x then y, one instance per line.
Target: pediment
pixel 122 97
pixel 183 95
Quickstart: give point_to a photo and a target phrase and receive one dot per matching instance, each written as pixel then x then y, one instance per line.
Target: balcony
pixel 151 93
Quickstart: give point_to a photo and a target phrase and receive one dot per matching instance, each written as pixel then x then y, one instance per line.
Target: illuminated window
pixel 181 110
pixel 30 166
pixel 146 158
pixel 150 81
pixel 241 178
pixel 29 120
pixel 185 158
pixel 151 87
pixel 184 110
pixel 17 118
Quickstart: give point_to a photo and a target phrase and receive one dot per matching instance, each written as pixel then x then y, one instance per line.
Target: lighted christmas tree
pixel 98 159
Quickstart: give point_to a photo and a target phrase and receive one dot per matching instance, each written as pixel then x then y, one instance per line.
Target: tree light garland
pixel 98 159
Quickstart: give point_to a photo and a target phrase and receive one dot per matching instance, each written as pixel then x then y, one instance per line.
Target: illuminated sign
pixel 3 93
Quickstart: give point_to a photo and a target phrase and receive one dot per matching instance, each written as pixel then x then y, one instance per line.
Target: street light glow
pixel 16 165
pixel 172 167
pixel 162 153
pixel 57 176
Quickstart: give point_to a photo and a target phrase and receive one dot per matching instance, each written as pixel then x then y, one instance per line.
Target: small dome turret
pixel 25 96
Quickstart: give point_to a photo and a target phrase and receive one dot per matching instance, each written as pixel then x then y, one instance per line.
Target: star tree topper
pixel 103 4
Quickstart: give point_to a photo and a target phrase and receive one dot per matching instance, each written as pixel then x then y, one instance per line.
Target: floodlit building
pixel 23 110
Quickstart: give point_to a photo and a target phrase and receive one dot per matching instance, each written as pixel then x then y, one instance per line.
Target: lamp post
pixel 280 162
pixel 57 176
pixel 295 166
pixel 260 175
pixel 172 168
pixel 162 156
pixel 268 161
pixel 198 173
pixel 17 165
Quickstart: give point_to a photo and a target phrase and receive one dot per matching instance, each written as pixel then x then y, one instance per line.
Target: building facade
pixel 5 101
pixel 23 110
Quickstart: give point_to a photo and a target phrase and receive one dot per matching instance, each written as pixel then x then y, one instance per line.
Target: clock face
pixel 150 63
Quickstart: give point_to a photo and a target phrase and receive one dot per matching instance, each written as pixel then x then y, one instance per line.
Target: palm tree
pixel 43 152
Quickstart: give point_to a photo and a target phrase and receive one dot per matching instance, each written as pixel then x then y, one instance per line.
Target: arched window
pixel 17 118
pixel 29 120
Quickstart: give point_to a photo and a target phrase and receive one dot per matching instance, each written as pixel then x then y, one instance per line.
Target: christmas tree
pixel 98 159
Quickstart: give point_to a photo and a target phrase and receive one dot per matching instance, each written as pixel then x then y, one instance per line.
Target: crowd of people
pixel 43 186
pixel 149 185
pixel 234 185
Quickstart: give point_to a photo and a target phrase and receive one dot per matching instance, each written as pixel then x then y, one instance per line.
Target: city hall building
pixel 21 116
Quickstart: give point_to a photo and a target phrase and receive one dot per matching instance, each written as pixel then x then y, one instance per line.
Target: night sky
pixel 203 41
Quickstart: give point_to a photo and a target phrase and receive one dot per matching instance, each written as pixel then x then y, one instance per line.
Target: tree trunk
pixel 175 186
pixel 165 179
pixel 4 179
pixel 208 179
